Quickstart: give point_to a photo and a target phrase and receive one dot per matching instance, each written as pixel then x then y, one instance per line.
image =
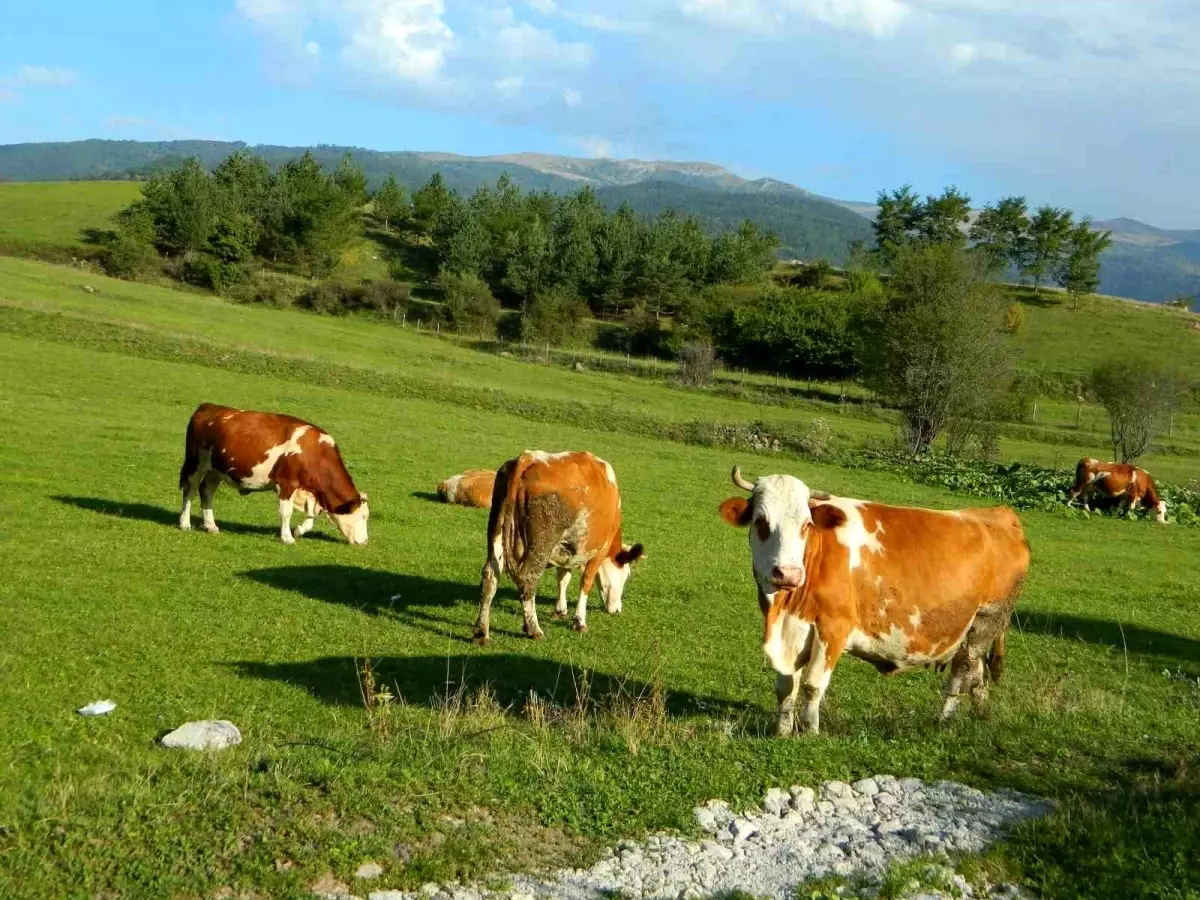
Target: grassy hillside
pixel 59 214
pixel 105 598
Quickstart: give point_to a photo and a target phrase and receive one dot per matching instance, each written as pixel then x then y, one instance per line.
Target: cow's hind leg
pixel 208 488
pixel 528 590
pixel 189 480
pixel 489 583
pixel 564 581
pixel 984 644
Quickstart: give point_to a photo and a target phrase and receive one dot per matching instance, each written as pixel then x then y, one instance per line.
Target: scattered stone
pixel 211 734
pixel 89 289
pixel 284 865
pixel 328 886
pixel 369 870
pixel 99 708
pixel 855 831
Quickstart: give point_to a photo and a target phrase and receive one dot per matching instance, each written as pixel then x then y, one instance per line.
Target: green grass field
pixel 103 597
pixel 56 214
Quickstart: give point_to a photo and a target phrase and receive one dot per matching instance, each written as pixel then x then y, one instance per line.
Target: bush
pixel 126 257
pixel 470 305
pixel 387 298
pixel 209 272
pixel 1014 318
pixel 556 316
pixel 327 297
pixel 818 442
pixel 1138 395
pixel 697 363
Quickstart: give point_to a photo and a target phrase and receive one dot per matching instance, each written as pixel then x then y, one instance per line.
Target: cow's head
pixel 614 573
pixel 780 520
pixel 351 519
pixel 1160 512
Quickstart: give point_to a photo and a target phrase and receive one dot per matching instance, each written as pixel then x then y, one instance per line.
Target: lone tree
pixel 1049 230
pixel 1079 269
pixel 939 352
pixel 1138 395
pixel 999 232
pixel 388 202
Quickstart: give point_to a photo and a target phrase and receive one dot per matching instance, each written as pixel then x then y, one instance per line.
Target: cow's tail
pixel 504 521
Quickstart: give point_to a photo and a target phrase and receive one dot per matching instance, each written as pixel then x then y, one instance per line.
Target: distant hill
pixel 1145 263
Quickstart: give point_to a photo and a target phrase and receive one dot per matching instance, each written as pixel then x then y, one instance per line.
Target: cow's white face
pixel 614 574
pixel 353 525
pixel 779 519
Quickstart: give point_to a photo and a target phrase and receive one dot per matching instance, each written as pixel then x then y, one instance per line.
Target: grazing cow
pixel 257 451
pixel 1125 483
pixel 897 586
pixel 471 488
pixel 561 510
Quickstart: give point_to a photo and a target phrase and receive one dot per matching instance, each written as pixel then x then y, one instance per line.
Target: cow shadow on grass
pixel 429 681
pixel 406 598
pixel 122 509
pixel 431 496
pixel 1149 643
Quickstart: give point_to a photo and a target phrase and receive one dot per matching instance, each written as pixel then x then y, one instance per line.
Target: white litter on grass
pixel 99 708
pixel 210 734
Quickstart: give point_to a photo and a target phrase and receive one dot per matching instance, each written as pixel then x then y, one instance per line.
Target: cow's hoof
pixel 560 614
pixel 185 526
pixel 536 635
pixel 481 639
pixel 578 626
pixel 212 529
pixel 289 541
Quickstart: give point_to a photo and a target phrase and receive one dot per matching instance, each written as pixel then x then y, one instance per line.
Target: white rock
pixel 867 786
pixel 777 801
pixel 210 734
pixel 99 708
pixel 369 870
pixel 387 895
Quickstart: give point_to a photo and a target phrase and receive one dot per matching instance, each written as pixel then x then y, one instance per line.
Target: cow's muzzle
pixel 787 577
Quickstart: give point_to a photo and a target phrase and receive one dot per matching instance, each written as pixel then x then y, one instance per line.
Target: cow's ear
pixel 363 497
pixel 827 516
pixel 736 511
pixel 632 555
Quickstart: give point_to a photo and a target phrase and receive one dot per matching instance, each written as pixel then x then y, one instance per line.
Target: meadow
pixel 520 754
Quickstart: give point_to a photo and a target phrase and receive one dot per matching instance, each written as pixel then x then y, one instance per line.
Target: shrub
pixel 388 298
pixel 1014 318
pixel 470 305
pixel 697 363
pixel 214 274
pixel 818 442
pixel 326 297
pixel 556 316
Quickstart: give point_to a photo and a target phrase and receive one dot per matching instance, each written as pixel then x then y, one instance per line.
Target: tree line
pixel 1045 245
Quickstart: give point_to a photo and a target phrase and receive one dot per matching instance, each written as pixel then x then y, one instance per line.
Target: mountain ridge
pixel 1145 262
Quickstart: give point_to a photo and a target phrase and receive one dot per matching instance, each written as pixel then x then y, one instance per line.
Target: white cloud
pixel 879 18
pixel 572 98
pixel 595 147
pixel 509 88
pixel 545 7
pixel 312 48
pixel 27 76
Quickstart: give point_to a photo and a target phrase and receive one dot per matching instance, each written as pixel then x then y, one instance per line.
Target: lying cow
pixel 471 488
pixel 561 510
pixel 897 586
pixel 256 451
pixel 1127 484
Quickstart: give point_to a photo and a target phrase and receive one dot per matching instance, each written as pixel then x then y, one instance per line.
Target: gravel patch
pixel 854 831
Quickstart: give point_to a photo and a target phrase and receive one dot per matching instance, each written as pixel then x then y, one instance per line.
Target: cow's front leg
pixel 310 517
pixel 815 680
pixel 786 688
pixel 208 489
pixel 564 581
pixel 585 587
pixel 285 519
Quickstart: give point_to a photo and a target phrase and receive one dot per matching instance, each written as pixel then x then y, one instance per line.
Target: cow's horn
pixel 740 481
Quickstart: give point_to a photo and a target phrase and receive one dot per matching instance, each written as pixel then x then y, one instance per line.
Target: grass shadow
pixel 431 496
pixel 368 590
pixel 120 509
pixel 428 681
pixel 1120 636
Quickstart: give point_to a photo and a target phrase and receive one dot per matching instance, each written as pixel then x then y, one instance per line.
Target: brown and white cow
pixel 561 510
pixel 470 488
pixel 257 451
pixel 1125 483
pixel 897 586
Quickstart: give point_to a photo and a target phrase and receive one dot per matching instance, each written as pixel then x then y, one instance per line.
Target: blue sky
pixel 1091 104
